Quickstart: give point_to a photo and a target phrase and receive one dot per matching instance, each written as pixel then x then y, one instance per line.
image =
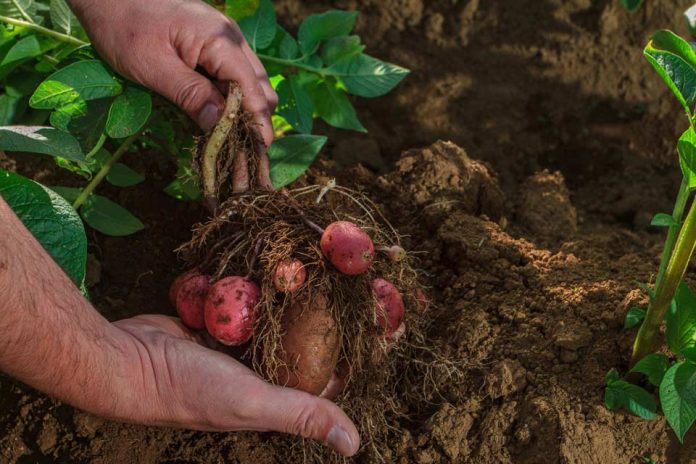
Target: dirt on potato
pixel 530 216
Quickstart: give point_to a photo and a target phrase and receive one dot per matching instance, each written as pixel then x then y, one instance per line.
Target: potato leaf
pixel 634 316
pixel 631 5
pixel 295 104
pixel 18 9
pixel 653 366
pixel 259 29
pixel 128 113
pixel 322 26
pixel 675 62
pixel 678 397
pixel 366 76
pixel 686 147
pixel 52 221
pixel 121 175
pixel 38 139
pixel 619 394
pixel 82 80
pixel 108 217
pixel 239 9
pixel 292 155
pixel 62 18
pixel 339 48
pixel 663 220
pixel 334 107
pixel 681 320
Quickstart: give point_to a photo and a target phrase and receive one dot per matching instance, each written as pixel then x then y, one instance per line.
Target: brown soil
pixel 530 280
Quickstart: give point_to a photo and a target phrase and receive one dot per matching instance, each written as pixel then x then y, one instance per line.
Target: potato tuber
pixel 348 247
pixel 230 310
pixel 390 307
pixel 190 300
pixel 289 276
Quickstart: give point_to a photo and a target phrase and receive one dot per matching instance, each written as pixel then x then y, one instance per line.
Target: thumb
pixel 190 91
pixel 299 413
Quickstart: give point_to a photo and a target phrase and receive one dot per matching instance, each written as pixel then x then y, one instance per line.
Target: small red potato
pixel 289 276
pixel 395 253
pixel 310 346
pixel 230 310
pixel 390 306
pixel 190 301
pixel 174 289
pixel 348 247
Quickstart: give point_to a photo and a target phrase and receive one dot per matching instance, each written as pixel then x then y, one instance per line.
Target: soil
pixel 533 252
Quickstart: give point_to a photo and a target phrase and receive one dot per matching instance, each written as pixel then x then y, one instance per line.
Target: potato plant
pixel 58 98
pixel 671 376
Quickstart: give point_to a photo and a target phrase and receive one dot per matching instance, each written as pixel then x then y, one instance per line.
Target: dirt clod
pixel 506 378
pixel 545 208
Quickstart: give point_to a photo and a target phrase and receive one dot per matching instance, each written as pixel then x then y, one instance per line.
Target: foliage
pixel 671 376
pixel 58 98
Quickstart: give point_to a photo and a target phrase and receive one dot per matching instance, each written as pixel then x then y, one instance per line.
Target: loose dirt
pixel 531 215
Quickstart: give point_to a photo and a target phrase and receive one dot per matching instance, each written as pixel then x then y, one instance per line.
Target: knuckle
pixel 189 94
pixel 305 421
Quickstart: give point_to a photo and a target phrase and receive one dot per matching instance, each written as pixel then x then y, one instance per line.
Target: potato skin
pixel 190 301
pixel 230 310
pixel 310 345
pixel 289 276
pixel 348 247
pixel 176 285
pixel 390 306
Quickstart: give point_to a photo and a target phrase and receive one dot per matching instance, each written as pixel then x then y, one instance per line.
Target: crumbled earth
pixel 530 215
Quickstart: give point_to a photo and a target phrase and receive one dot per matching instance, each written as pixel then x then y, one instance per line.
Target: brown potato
pixel 310 345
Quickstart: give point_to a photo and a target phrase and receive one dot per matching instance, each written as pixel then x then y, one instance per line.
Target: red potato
pixel 190 301
pixel 395 253
pixel 173 290
pixel 230 310
pixel 348 247
pixel 390 306
pixel 422 302
pixel 310 346
pixel 289 276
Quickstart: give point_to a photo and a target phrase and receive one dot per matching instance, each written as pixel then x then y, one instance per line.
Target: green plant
pixel 58 98
pixel 671 300
pixel 631 5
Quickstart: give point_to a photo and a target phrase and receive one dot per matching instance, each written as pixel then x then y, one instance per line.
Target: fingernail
pixel 208 116
pixel 340 441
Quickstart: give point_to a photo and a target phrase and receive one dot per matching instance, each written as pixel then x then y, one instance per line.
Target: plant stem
pixel 648 336
pixel 96 180
pixel 292 63
pixel 43 30
pixel 677 214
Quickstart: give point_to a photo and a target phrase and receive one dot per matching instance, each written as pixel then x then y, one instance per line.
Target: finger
pixel 240 172
pixel 262 76
pixel 191 91
pixel 299 413
pixel 333 388
pixel 264 174
pixel 224 59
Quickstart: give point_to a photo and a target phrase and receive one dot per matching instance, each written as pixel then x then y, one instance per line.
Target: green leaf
pixel 653 366
pixel 82 80
pixel 322 26
pixel 259 29
pixel 129 112
pixel 295 104
pixel 14 8
pixel 631 5
pixel 675 61
pixel 29 47
pixel 292 155
pixel 36 139
pixel 84 120
pixel 686 146
pixel 366 76
pixel 288 48
pixel 108 217
pixel 333 106
pixel 681 320
pixel 619 394
pixel 10 109
pixel 182 189
pixel 634 316
pixel 53 222
pixel 611 376
pixel 339 48
pixel 121 175
pixel 678 397
pixel 663 220
pixel 62 18
pixel 239 9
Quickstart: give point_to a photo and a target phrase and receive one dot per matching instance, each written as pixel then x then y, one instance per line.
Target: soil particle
pixel 506 378
pixel 545 208
pixel 87 425
pixel 442 178
pixel 449 428
pixel 572 335
pixel 48 435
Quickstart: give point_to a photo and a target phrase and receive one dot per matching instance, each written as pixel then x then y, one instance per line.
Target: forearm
pixel 51 337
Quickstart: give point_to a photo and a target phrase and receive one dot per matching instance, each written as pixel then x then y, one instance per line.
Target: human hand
pixel 181 383
pixel 160 43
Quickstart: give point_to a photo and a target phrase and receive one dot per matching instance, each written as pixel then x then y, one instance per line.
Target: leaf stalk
pixel 43 30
